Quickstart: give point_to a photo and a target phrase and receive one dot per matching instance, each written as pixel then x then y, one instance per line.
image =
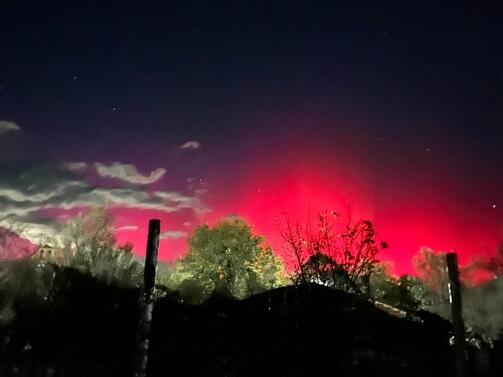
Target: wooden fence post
pixel 147 299
pixel 456 310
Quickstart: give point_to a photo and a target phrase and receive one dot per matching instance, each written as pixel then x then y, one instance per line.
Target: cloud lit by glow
pixel 6 127
pixel 128 173
pixel 191 144
pixel 172 234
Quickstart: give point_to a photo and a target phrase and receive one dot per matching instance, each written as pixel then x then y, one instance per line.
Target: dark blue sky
pixel 410 94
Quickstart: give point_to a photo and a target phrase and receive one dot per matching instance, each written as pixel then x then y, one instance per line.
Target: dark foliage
pixel 84 325
pixel 87 328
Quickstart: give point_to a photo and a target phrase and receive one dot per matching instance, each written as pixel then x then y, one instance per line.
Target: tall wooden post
pixel 146 298
pixel 456 310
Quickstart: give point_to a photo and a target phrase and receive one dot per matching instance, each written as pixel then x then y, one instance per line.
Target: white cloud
pixel 191 144
pixel 23 196
pixel 76 167
pixel 127 228
pixel 128 173
pixel 172 234
pixel 15 195
pixel 6 126
pixel 35 230
pixel 173 196
pixel 127 198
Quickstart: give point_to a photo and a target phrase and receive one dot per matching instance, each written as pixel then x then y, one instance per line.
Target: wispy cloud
pixel 172 234
pixel 26 195
pixel 128 173
pixel 127 228
pixel 191 144
pixel 75 166
pixel 6 126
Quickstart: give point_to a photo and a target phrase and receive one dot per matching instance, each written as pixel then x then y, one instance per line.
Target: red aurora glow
pixel 409 210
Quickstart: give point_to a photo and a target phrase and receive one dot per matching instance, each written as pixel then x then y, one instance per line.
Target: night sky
pixel 190 111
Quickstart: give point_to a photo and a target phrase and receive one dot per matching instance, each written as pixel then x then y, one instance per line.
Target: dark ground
pixel 87 328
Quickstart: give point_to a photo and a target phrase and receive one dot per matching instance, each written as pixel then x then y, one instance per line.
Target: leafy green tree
pixel 482 303
pixel 110 264
pixel 404 292
pixel 431 268
pixel 415 294
pixel 164 273
pixel 382 283
pixel 227 259
pixel 482 309
pixel 89 230
pixel 90 241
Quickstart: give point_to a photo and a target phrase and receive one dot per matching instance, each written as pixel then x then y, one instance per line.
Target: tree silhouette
pixel 327 251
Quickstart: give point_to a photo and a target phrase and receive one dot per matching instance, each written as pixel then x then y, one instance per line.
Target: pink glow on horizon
pixel 406 216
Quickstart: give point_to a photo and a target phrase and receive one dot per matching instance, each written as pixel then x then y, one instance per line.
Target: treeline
pixel 228 260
